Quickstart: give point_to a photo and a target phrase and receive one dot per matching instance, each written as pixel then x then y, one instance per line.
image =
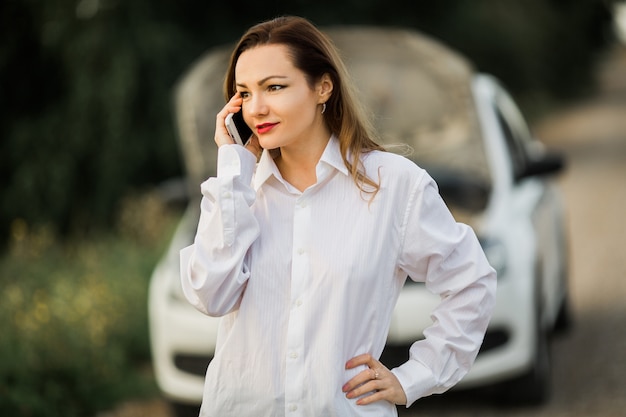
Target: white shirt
pixel 308 280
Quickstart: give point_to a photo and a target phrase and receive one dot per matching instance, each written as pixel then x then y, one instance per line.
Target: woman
pixel 304 255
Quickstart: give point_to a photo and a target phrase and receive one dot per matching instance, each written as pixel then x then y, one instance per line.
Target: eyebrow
pixel 264 80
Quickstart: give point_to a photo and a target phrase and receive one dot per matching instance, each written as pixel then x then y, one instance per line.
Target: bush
pixel 74 317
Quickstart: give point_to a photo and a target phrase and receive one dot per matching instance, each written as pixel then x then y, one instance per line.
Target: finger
pixel 235 100
pixel 374 384
pixel 233 106
pixel 362 377
pixel 363 359
pixel 358 381
pixel 387 388
pixel 222 136
pixel 364 388
pixel 374 396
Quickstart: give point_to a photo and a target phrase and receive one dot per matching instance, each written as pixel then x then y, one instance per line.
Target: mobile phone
pixel 237 128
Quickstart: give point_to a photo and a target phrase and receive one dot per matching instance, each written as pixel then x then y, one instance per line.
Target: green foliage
pixel 86 85
pixel 95 120
pixel 74 317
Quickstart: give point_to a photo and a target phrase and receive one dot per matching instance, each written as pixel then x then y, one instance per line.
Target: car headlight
pixel 176 290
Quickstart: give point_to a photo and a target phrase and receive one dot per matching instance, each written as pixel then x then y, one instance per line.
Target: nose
pixel 256 106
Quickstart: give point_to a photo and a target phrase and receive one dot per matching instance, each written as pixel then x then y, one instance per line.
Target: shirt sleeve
pixel 447 256
pixel 213 269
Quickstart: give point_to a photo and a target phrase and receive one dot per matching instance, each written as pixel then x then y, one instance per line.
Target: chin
pixel 269 144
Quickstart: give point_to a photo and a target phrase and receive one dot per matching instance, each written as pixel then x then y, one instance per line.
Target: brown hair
pixel 314 54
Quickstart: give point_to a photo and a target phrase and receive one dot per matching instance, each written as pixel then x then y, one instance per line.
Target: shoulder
pixel 391 167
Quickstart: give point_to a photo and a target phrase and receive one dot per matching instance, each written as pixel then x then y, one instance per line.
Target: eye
pixel 275 87
pixel 244 94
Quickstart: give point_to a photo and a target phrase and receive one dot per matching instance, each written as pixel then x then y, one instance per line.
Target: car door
pixel 530 164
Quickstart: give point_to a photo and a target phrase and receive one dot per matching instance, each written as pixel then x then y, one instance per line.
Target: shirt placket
pixel 300 271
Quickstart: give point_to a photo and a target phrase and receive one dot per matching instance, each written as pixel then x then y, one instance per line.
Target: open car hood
pixel 417 90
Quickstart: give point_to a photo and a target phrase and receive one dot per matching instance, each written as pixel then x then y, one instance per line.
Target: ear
pixel 324 88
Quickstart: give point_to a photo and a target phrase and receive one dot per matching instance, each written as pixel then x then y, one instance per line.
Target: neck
pixel 297 163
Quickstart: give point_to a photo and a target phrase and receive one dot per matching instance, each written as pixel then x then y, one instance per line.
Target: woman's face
pixel 279 105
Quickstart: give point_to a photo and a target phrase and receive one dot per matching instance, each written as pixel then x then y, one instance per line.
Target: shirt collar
pixel 331 158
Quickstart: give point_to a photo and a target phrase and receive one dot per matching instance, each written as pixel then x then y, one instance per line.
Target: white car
pixel 468 133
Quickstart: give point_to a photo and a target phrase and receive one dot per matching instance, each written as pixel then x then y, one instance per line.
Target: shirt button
pixel 293 355
pixel 293 407
pixel 228 194
pixel 300 251
pixel 298 303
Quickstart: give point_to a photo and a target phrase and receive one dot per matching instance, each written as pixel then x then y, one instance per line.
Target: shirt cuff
pixel 416 380
pixel 235 161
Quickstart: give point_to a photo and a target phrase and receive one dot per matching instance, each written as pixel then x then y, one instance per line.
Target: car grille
pixel 396 355
pixel 493 339
pixel 192 364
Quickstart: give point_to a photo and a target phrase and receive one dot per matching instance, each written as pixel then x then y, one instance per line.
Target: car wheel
pixel 564 320
pixel 184 410
pixel 565 317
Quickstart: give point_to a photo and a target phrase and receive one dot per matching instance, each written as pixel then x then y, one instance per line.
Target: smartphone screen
pixel 237 128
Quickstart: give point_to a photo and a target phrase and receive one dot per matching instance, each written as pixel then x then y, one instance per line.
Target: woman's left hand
pixel 377 380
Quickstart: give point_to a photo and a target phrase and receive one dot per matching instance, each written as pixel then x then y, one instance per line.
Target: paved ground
pixel 589 362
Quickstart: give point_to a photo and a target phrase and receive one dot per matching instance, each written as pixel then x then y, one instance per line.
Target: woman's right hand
pixel 221 133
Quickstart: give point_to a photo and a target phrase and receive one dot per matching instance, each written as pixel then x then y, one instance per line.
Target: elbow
pixel 209 295
pixel 211 306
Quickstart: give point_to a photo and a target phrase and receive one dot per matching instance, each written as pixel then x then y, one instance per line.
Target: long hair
pixel 314 54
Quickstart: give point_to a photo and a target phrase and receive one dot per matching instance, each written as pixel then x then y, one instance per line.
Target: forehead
pixel 264 61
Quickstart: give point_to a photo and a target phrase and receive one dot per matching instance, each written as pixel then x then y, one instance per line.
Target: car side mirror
pixel 546 164
pixel 461 190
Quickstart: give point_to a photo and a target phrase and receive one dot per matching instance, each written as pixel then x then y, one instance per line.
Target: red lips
pixel 265 127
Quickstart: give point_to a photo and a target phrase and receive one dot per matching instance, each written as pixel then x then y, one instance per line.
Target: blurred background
pixel 89 154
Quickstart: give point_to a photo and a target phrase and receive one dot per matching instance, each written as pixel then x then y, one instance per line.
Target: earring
pixel 323 107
